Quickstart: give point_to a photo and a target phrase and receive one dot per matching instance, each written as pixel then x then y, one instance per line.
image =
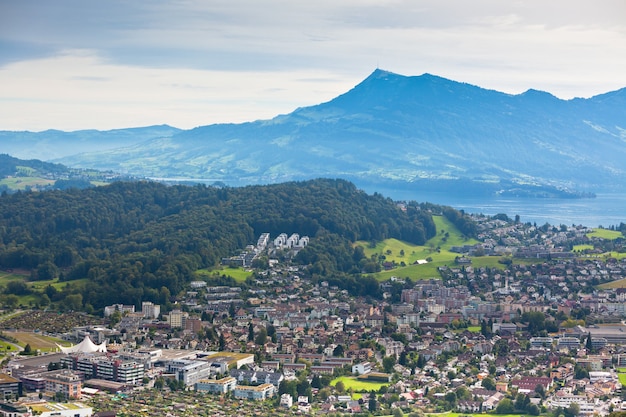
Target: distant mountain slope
pixel 52 144
pixel 422 132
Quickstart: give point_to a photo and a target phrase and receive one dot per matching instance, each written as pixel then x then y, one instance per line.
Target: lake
pixel 604 210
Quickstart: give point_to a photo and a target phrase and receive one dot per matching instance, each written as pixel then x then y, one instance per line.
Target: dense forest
pixel 143 241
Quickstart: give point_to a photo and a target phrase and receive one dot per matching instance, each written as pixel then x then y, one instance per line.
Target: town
pixel 541 335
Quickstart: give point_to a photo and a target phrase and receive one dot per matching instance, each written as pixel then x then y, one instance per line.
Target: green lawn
pixel 358 385
pixel 581 248
pixel 622 378
pixel 605 234
pixel 238 274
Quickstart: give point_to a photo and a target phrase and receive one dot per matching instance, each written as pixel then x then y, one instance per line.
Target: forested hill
pixel 141 241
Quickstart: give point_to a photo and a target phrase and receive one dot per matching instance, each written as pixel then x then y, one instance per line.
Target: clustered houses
pixel 291 244
pixel 542 329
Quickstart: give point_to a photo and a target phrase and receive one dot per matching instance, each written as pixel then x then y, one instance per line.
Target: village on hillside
pixel 543 336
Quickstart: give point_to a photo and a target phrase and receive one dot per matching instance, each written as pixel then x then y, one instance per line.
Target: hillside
pixel 416 133
pixel 128 242
pixel 35 175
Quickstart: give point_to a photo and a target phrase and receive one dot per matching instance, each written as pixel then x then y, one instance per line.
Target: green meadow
pixel 20 183
pixel 358 385
pixel 238 274
pixel 605 234
pixel 436 250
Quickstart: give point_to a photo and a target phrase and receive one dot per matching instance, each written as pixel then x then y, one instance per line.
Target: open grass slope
pixel 437 249
pixel 21 183
pixel 605 234
pixel 36 287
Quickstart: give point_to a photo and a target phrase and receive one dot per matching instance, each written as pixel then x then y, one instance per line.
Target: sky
pixel 85 64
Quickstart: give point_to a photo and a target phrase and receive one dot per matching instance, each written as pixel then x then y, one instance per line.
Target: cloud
pixel 120 63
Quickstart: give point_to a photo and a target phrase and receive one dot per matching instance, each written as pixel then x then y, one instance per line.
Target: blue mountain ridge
pixel 410 131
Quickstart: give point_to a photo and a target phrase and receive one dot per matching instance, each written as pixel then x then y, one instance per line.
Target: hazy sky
pixel 77 64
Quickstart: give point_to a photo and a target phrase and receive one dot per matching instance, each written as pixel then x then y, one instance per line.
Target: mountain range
pixel 390 131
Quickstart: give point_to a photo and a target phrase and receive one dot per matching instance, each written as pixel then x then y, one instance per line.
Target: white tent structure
pixel 86 346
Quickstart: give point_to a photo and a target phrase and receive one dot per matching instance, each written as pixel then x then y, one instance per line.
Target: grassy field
pixel 622 378
pixel 581 248
pixel 37 341
pixel 37 287
pixel 20 183
pixel 7 276
pixel 358 385
pixel 392 249
pixel 620 283
pixel 605 234
pixel 238 274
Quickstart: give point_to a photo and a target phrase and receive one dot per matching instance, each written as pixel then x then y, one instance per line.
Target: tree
pixel 250 332
pixel 338 351
pixel 572 411
pixel 340 387
pixel 288 387
pixel 316 382
pixel 372 404
pixel 540 390
pixel 488 384
pixel 588 344
pixel 505 407
pixel 261 337
pixel 388 363
pixel 27 349
pixel 397 412
pixel 11 301
pixel 222 342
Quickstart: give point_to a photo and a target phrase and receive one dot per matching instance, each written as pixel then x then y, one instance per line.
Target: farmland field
pixel 21 183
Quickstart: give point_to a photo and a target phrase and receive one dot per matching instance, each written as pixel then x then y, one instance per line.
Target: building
pixel 109 310
pixel 286 400
pixel 188 371
pixel 219 386
pixel 541 342
pixel 65 382
pixel 258 392
pixel 61 410
pixel 108 368
pixel 361 368
pixel 176 318
pixel 10 387
pixel 152 311
pixel 569 342
pixel 14 410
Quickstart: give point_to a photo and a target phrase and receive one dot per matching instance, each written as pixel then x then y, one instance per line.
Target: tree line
pixel 143 241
